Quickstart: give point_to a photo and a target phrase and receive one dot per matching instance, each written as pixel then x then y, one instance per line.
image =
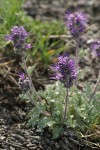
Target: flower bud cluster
pixel 65 70
pixel 76 22
pixel 18 36
pixel 24 82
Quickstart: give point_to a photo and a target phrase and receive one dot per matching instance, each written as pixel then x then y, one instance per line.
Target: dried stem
pixel 66 106
pixel 95 87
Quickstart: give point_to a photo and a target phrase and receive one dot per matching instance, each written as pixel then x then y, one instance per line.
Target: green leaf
pixel 57 131
pixel 30 70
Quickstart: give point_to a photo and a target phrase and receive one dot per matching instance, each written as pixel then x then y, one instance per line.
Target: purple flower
pixel 28 46
pixel 76 22
pixel 22 76
pixel 24 82
pixel 18 36
pixel 95 46
pixel 65 70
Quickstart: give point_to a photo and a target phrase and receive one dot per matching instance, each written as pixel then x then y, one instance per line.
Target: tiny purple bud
pixel 28 46
pixel 22 76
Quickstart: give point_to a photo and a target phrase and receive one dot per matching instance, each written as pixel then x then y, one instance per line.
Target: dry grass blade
pixel 7 63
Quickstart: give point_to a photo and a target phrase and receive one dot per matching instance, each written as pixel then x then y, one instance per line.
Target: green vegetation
pixel 83 116
pixel 45 46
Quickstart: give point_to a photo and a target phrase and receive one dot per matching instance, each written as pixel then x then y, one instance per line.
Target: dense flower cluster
pixel 76 22
pixel 95 46
pixel 65 70
pixel 24 82
pixel 18 36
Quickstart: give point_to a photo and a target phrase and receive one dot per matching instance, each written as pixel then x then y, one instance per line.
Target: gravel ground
pixel 54 9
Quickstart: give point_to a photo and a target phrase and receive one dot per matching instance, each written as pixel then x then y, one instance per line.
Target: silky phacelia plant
pixel 95 46
pixel 24 82
pixel 65 70
pixel 76 22
pixel 18 36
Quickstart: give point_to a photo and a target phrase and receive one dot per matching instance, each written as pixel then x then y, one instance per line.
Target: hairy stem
pixel 77 58
pixel 66 106
pixel 95 87
pixel 29 95
pixel 32 88
pixel 24 62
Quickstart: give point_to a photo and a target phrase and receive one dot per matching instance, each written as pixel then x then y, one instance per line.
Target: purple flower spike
pixel 18 36
pixel 76 22
pixel 65 70
pixel 95 46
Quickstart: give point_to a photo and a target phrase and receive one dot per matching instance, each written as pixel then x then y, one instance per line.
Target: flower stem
pixel 32 88
pixel 66 106
pixel 29 95
pixel 24 62
pixel 95 88
pixel 77 57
